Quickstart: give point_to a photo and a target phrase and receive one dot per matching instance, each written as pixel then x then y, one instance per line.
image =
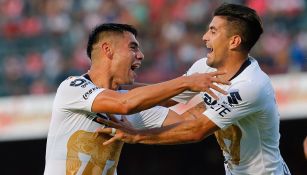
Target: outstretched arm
pixel 178 133
pixel 132 86
pixel 166 103
pixel 191 114
pixel 142 98
pixel 174 131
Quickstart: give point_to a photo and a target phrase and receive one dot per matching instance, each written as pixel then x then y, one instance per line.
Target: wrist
pixel 184 82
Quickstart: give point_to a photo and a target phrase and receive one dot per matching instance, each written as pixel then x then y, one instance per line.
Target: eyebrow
pixel 212 28
pixel 133 43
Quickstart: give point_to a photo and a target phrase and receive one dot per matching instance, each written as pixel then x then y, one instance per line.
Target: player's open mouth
pixel 135 66
pixel 209 49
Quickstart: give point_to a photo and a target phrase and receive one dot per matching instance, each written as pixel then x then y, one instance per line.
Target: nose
pixel 205 37
pixel 140 56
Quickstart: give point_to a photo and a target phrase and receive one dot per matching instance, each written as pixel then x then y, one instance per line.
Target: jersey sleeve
pixel 77 94
pixel 243 99
pixel 150 118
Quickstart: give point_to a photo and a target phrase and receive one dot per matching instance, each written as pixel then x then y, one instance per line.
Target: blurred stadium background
pixel 43 42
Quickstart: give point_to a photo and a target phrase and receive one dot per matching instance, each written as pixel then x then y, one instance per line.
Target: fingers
pixel 216 73
pixel 126 121
pixel 212 94
pixel 218 89
pixel 103 121
pixel 109 131
pixel 111 140
pixel 113 118
pixel 124 118
pixel 104 130
pixel 215 79
pixel 220 81
pixel 108 123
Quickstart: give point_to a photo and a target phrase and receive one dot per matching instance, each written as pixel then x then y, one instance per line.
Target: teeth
pixel 135 66
pixel 209 49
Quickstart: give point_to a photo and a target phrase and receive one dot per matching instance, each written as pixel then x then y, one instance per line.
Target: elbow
pixel 204 129
pixel 126 108
pixel 199 134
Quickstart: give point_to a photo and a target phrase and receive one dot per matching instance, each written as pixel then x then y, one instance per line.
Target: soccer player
pixel 246 121
pixel 72 145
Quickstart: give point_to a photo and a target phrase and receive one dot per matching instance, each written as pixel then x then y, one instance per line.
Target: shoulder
pixel 256 77
pixel 76 92
pixel 253 86
pixel 75 82
pixel 75 86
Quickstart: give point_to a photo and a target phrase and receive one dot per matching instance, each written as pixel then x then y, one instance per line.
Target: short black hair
pixel 244 21
pixel 94 36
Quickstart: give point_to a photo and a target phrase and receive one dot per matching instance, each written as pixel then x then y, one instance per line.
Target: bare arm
pixel 145 97
pixel 191 126
pixel 132 86
pixel 166 103
pixel 192 114
pixel 177 133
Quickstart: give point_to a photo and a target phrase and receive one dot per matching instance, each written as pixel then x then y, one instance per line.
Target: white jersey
pixel 249 121
pixel 73 147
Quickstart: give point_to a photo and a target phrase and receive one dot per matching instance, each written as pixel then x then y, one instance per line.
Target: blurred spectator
pixel 43 42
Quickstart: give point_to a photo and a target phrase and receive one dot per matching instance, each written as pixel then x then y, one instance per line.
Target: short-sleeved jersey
pixel 73 147
pixel 249 121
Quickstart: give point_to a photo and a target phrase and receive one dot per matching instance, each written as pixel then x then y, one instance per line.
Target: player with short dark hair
pixel 246 120
pixel 73 147
pixel 103 31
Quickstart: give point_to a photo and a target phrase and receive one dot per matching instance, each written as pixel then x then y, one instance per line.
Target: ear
pixel 235 42
pixel 107 49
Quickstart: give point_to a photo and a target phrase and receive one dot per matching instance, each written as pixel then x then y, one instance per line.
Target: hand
pixel 205 82
pixel 113 122
pixel 118 134
pixel 129 136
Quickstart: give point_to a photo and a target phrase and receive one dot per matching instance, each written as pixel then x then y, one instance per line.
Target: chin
pixel 209 63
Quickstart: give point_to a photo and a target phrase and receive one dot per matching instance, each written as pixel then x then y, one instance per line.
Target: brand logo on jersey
pixel 233 98
pixel 89 92
pixel 209 100
pixel 77 82
pixel 85 84
pixel 223 107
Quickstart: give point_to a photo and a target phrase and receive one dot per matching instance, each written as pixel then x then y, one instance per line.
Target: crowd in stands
pixel 43 42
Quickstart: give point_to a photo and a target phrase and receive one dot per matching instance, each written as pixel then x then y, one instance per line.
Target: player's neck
pixel 232 66
pixel 101 78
